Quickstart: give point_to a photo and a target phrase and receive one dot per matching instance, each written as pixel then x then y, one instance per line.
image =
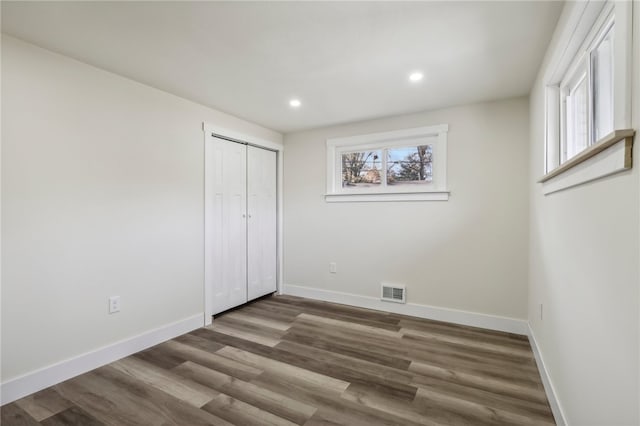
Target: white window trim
pixel 435 191
pixel 585 24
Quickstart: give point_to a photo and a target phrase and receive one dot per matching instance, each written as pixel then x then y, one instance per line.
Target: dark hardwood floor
pixel 291 361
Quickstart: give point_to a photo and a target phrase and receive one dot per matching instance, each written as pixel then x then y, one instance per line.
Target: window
pixel 361 169
pixel 410 165
pixel 575 120
pixel 401 165
pixel 587 99
pixel 587 95
pixel 602 72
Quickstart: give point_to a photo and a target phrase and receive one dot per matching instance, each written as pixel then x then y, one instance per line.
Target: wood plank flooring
pixel 285 360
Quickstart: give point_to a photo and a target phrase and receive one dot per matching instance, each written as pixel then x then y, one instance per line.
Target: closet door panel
pixel 229 231
pixel 262 221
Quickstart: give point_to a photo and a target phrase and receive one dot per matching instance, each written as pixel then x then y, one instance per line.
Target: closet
pixel 242 227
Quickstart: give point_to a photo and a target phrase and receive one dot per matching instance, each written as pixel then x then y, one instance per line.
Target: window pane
pixel 577 118
pixel 602 69
pixel 408 165
pixel 361 169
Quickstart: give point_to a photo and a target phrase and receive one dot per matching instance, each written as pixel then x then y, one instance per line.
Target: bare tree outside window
pixel 361 168
pixel 410 165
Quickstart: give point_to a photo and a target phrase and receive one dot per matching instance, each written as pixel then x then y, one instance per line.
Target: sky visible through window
pixel 409 164
pixel 399 154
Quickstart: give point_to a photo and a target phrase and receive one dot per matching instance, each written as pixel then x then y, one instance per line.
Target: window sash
pixel 602 69
pixel 382 180
pixel 576 114
pixel 357 164
pixel 577 131
pixel 422 165
pixel 383 148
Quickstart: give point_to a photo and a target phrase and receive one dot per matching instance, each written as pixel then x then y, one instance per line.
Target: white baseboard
pixel 29 383
pixel 556 408
pixel 474 319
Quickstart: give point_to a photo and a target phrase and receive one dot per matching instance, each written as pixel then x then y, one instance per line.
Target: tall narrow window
pixel 577 119
pixel 587 95
pixel 602 71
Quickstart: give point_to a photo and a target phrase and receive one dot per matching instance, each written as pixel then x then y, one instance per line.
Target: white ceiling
pixel 346 61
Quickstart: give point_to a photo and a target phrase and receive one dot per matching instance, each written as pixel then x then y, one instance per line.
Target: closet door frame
pixel 211 131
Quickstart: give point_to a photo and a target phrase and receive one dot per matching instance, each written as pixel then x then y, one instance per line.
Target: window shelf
pixel 609 155
pixel 397 196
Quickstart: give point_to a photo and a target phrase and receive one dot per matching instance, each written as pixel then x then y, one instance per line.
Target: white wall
pixel 102 194
pixel 468 253
pixel 584 257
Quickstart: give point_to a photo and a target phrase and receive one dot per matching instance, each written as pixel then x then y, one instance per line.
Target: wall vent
pixel 394 293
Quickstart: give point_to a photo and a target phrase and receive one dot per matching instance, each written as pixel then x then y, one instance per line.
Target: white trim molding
pixel 549 389
pixel 608 157
pixel 35 381
pixel 473 319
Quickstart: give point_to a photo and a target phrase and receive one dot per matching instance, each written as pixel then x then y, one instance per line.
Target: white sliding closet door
pixel 228 232
pixel 262 221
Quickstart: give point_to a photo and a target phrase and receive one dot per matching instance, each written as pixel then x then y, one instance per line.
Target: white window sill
pixel 610 155
pixel 394 196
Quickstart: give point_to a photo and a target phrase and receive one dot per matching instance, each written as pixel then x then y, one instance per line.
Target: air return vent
pixel 394 293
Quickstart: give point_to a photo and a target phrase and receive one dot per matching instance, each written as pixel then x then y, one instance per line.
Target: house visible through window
pixel 361 169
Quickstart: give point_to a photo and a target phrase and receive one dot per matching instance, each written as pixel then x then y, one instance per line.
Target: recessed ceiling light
pixel 295 103
pixel 416 76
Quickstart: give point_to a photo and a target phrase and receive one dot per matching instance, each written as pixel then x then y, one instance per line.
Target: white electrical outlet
pixel 333 267
pixel 114 304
